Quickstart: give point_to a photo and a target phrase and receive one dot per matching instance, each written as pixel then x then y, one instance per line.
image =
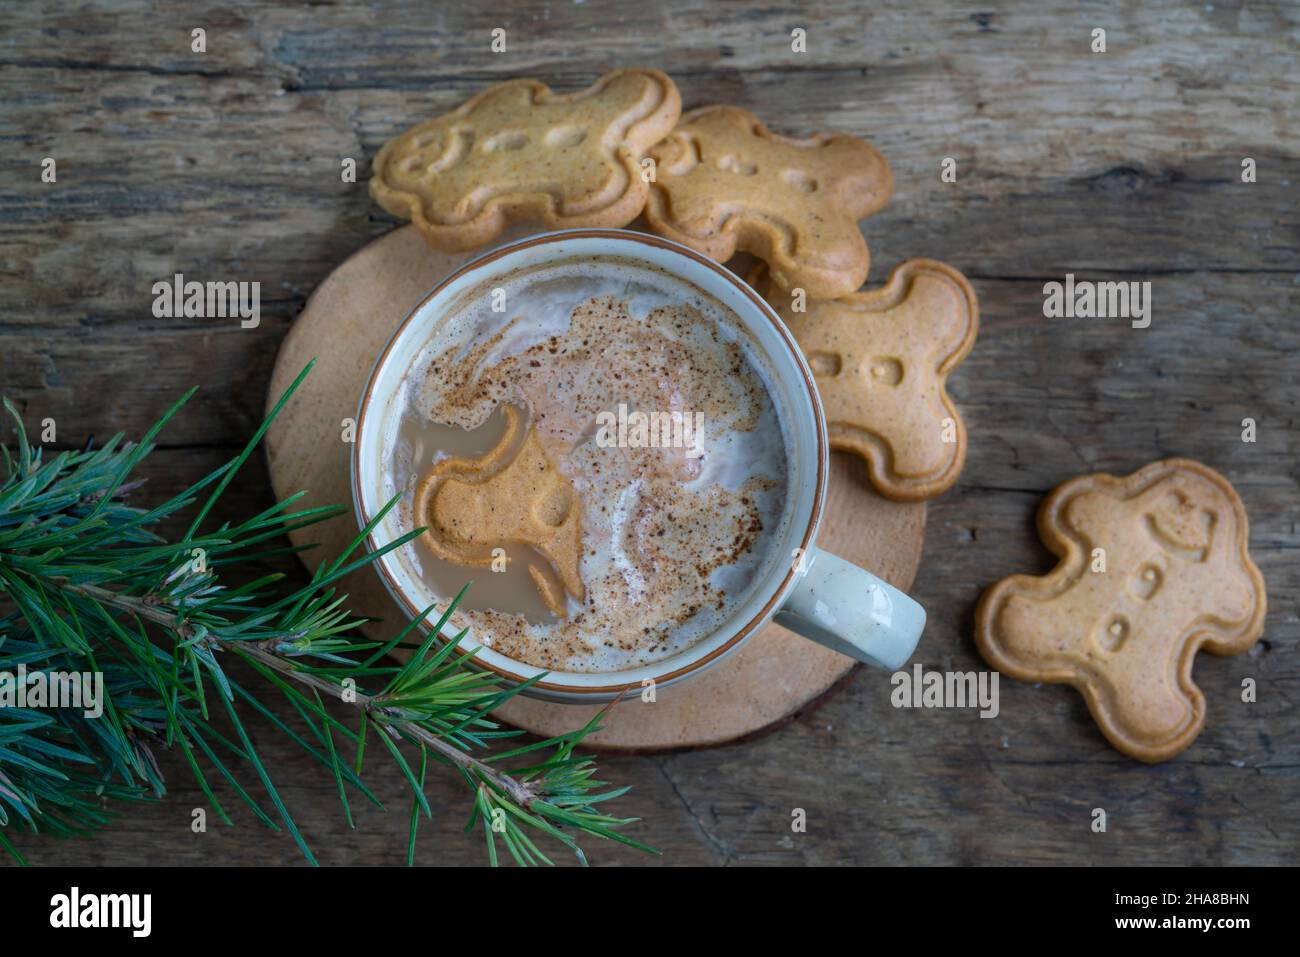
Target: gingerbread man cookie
pixel 1153 567
pixel 724 183
pixel 513 495
pixel 518 151
pixel 881 359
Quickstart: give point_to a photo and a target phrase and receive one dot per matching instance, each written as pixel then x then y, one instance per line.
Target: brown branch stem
pixel 518 791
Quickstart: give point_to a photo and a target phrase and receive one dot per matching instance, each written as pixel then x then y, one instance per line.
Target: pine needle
pixel 94 587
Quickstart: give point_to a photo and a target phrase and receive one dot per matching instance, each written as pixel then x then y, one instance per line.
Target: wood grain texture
pixel 1123 165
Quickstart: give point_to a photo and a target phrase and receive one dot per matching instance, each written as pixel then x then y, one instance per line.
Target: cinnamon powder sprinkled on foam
pixel 671 541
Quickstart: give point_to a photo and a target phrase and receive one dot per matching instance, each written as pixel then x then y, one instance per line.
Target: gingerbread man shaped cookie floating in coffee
pixel 724 183
pixel 518 151
pixel 881 359
pixel 472 507
pixel 1153 568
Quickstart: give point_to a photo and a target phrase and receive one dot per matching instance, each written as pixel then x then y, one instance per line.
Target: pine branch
pixel 262 651
pixel 97 589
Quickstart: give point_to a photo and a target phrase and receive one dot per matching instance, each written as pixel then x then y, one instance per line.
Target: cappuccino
pixel 653 402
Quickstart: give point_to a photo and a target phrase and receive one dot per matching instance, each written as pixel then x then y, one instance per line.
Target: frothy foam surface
pixel 673 537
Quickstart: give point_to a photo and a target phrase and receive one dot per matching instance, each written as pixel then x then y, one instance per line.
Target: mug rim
pixel 791 577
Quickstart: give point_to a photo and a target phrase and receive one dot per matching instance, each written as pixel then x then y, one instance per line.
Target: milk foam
pixel 672 542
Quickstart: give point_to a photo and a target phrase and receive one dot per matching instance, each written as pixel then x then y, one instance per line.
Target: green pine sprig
pixel 90 585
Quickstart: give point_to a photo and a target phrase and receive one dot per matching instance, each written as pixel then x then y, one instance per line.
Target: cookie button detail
pixel 881 359
pixel 518 151
pixel 1174 576
pixel 725 183
pixel 472 507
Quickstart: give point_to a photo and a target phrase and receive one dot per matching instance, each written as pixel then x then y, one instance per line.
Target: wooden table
pixel 1122 165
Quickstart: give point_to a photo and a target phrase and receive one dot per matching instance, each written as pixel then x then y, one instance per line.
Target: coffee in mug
pixel 594 442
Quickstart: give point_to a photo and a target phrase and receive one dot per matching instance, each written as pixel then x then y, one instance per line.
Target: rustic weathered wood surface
pixel 1117 165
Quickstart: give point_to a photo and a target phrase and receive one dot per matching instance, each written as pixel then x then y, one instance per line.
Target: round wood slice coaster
pixel 775 676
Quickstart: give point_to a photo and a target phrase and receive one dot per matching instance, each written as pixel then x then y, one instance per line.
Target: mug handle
pixel 847 609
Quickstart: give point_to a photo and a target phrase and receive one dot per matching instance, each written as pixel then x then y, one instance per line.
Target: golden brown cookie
pixel 517 151
pixel 724 183
pixel 1153 567
pixel 513 495
pixel 881 359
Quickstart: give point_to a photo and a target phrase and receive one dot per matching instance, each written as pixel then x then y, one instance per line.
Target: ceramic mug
pixel 815 594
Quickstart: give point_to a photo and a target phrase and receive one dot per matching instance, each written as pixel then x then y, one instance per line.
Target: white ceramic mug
pixel 816 594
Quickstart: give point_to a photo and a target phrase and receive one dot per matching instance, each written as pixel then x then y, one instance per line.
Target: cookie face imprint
pixel 725 183
pixel 519 151
pixel 881 359
pixel 1154 567
pixel 639 550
